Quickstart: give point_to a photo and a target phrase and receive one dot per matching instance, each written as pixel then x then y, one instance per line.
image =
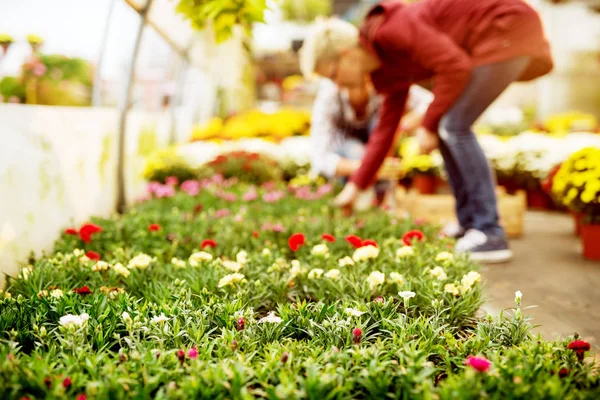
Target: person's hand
pixel 411 122
pixel 391 169
pixel 428 141
pixel 347 196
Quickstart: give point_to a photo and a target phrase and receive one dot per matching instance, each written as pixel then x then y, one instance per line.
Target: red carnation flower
pixel 295 241
pixel 241 323
pixel 87 230
pixel 479 364
pixel 563 373
pixel 92 255
pixel 328 237
pixel 181 356
pixel 81 397
pixel 208 243
pixel 67 383
pixel 356 335
pixel 354 240
pixel 369 242
pixel 154 227
pixel 411 235
pixel 71 231
pixel 255 234
pixel 579 347
pixel 84 290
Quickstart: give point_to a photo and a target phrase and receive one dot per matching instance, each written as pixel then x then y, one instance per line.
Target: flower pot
pixel 590 239
pixel 577 222
pixel 425 184
pixel 537 199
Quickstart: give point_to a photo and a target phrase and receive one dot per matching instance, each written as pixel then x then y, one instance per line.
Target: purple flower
pixel 191 187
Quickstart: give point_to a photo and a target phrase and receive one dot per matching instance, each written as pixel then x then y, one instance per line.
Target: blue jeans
pixel 468 170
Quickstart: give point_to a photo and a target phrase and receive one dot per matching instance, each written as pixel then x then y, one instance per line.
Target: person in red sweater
pixel 473 50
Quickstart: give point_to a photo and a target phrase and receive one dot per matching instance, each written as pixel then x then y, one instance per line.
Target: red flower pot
pixel 590 238
pixel 578 221
pixel 538 199
pixel 425 184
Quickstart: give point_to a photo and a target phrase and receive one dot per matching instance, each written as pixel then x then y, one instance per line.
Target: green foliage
pixel 222 15
pixel 64 68
pixel 305 10
pixel 11 86
pixel 172 328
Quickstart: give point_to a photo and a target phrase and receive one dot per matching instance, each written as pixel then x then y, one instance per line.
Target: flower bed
pixel 221 290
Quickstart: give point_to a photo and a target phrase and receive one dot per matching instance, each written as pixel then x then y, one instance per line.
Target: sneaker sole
pixel 492 257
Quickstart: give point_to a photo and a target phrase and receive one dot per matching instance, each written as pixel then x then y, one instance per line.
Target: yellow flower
pixel 404 252
pixel 232 265
pixel 315 273
pixel 439 273
pixel 444 256
pixel 333 274
pixel 101 266
pixel 177 263
pixel 396 278
pixel 141 261
pixel 452 289
pixel 365 253
pixel 198 257
pixel 469 280
pixel 121 270
pixel 587 196
pixel 343 262
pixel 320 250
pixel 375 279
pixel 242 257
pixel 230 280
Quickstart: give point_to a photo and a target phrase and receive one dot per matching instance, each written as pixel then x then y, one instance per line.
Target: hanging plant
pixel 222 15
pixel 5 41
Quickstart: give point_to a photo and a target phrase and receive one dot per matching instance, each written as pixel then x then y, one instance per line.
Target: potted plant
pixel 5 41
pixel 35 42
pixel 577 185
pixel 423 171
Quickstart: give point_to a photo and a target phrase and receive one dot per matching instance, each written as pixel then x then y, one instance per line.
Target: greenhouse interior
pixel 299 199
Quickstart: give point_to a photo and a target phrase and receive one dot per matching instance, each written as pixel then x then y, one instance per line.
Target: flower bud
pixel 357 335
pixel 284 357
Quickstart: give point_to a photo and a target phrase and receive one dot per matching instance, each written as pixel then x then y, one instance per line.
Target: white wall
pixel 58 168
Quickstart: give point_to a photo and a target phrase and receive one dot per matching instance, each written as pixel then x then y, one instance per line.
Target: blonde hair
pixel 327 39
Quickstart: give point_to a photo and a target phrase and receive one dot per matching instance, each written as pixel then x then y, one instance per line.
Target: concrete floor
pixel 550 271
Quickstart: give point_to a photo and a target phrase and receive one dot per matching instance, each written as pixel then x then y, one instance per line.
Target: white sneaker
pixel 453 230
pixel 484 248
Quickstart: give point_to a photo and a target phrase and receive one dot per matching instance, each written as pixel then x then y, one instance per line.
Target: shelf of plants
pixel 214 288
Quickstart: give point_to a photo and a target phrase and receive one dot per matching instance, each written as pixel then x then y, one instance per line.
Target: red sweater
pixel 444 40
